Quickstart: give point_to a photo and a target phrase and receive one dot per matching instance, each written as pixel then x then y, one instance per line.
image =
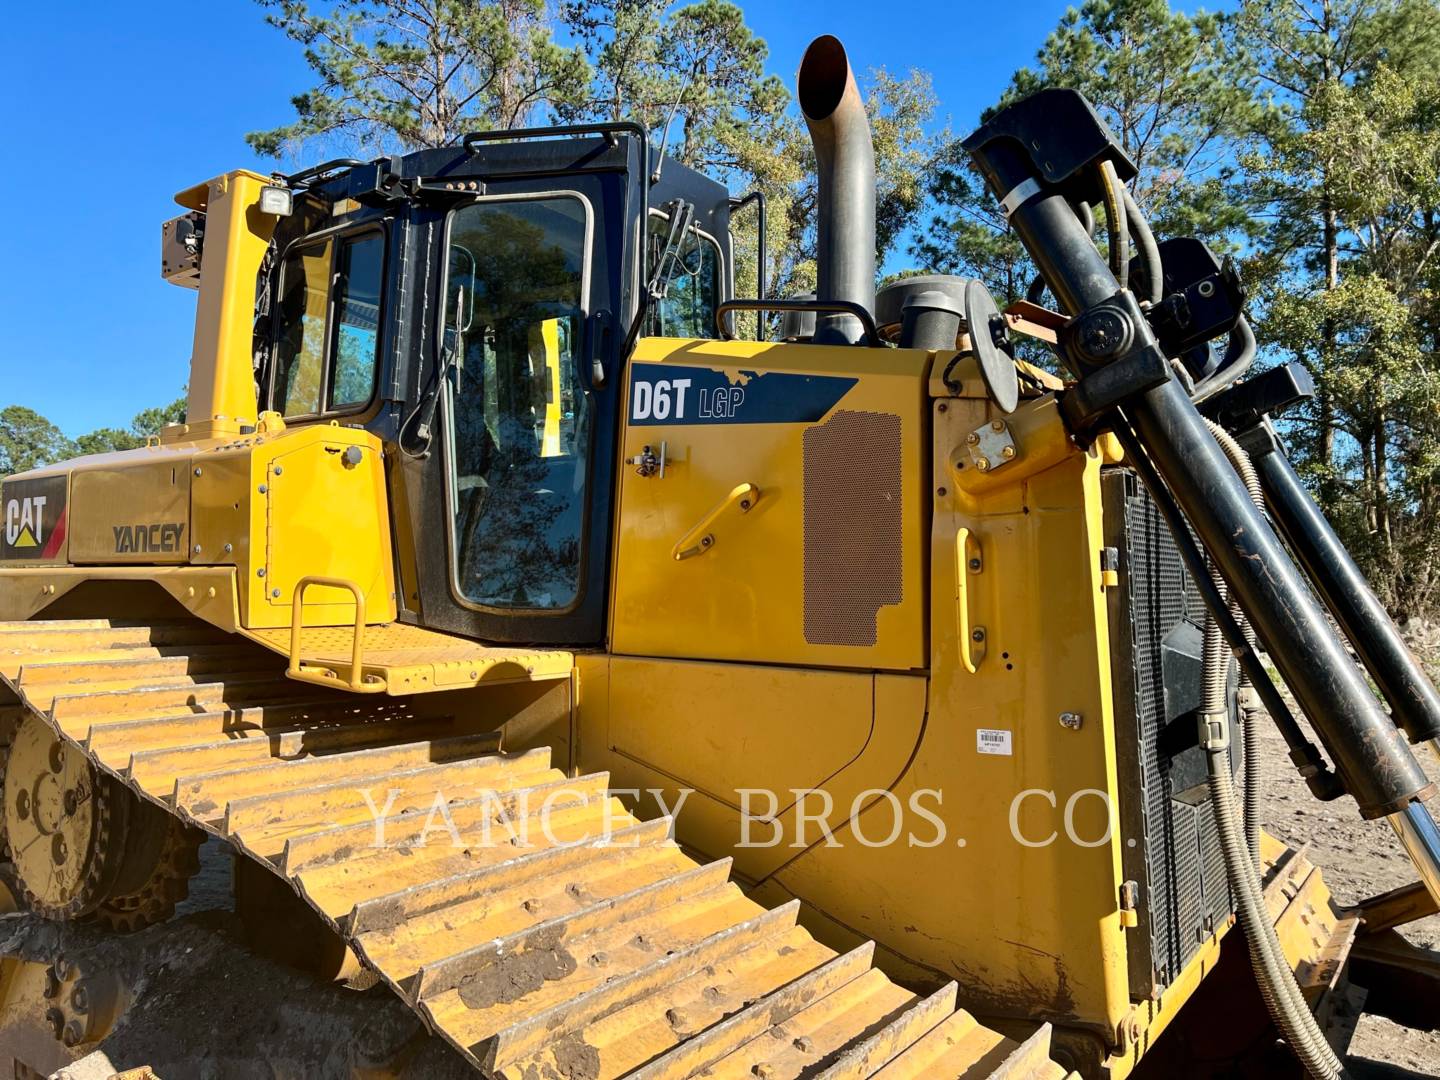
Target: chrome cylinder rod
pixel 1420 837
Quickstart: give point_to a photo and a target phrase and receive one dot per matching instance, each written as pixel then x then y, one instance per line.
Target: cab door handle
pixel 595 350
pixel 701 538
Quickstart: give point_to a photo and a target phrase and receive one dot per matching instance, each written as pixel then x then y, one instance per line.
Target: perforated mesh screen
pixel 1178 862
pixel 852 526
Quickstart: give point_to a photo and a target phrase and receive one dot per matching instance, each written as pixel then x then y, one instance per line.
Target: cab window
pixel 320 367
pixel 520 420
pixel 688 309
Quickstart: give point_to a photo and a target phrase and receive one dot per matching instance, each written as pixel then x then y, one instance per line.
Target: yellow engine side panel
pixel 308 501
pixel 714 739
pixel 1017 894
pixel 787 523
pixel 134 511
pixel 225 525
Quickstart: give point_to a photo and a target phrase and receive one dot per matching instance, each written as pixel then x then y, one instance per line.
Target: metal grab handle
pixel 359 683
pixel 967 562
pixel 823 307
pixel 701 538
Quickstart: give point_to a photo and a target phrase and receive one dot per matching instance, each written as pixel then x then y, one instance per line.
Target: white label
pixel 993 741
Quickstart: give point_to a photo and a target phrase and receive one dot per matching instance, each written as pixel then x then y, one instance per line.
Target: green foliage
pixel 420 73
pixel 1346 171
pixel 1169 89
pixel 695 76
pixel 28 440
pixel 1173 92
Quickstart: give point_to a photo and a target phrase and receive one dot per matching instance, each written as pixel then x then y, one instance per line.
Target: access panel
pixel 771 505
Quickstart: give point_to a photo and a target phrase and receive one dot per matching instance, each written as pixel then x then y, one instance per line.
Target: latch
pixel 648 462
pixel 1130 905
pixel 1109 567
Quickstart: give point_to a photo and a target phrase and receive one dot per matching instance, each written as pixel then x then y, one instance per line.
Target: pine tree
pixel 407 74
pixel 1173 95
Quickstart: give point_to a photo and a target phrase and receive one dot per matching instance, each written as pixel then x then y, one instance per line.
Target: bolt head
pixel 977 634
pixel 1007 452
pixel 1071 720
pixel 997 426
pixel 983 464
pixel 973 438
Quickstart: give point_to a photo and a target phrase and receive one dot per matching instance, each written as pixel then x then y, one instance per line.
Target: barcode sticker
pixel 993 741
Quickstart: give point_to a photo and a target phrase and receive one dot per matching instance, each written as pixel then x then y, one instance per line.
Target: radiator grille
pixel 852 526
pixel 1156 618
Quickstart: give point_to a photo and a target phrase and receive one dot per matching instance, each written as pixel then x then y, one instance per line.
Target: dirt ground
pixel 213 1006
pixel 1360 859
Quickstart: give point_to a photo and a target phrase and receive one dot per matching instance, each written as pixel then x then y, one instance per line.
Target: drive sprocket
pixel 63 826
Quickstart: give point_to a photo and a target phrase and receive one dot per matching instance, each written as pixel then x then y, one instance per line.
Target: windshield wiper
pixel 657 288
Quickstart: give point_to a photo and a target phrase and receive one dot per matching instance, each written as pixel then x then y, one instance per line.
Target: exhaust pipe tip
pixel 829 99
pixel 824 78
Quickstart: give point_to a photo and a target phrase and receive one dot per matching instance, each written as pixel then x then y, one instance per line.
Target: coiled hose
pixel 1240 841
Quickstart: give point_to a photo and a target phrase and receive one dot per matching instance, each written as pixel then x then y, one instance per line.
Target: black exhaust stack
pixel 845 166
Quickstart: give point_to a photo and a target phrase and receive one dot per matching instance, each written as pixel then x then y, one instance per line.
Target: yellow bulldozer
pixel 630 699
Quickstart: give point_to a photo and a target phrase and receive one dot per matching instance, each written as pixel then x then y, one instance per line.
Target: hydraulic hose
pixel 1239 355
pixel 1276 981
pixel 1250 711
pixel 1282 996
pixel 1117 223
pixel 1147 247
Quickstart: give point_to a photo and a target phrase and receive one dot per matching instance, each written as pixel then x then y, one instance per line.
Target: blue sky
pixel 114 107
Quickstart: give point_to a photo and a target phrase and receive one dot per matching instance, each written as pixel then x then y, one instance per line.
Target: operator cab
pixel 470 305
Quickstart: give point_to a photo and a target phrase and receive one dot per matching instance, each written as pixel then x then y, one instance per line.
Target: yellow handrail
pixel 359 682
pixel 967 562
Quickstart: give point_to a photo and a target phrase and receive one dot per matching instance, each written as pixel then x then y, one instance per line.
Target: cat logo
pixel 24 519
pixel 32 518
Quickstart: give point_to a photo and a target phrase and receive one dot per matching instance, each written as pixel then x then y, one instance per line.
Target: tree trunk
pixel 1382 482
pixel 1330 241
pixel 1325 403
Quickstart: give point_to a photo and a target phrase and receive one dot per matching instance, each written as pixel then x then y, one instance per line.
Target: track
pixel 573 941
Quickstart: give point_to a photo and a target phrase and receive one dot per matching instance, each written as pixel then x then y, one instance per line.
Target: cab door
pixel 522 461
